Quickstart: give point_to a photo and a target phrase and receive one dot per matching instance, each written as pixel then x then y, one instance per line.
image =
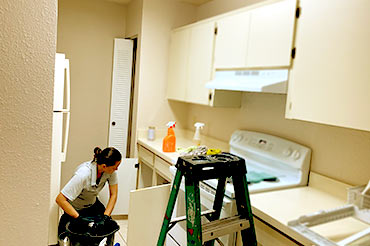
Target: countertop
pixel 277 208
pixel 183 140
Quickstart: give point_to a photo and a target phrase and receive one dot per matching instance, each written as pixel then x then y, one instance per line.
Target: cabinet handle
pixel 113 123
pixel 298 12
pixel 210 96
pixel 136 165
pixel 293 52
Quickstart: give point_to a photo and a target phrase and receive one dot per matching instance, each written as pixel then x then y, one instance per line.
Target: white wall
pixel 158 18
pixel 216 7
pixel 133 30
pixel 86 32
pixel 27 50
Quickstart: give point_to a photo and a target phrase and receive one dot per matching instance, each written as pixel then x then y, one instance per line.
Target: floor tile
pixel 119 239
pixel 123 229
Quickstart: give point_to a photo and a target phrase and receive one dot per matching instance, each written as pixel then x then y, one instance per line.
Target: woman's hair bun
pixel 109 156
pixel 97 150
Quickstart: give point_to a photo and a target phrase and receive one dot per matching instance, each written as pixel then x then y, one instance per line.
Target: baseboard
pixel 120 217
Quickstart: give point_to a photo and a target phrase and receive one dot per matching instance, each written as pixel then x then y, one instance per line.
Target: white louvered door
pixel 120 99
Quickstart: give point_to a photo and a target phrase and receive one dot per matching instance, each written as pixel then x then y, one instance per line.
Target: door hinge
pixel 293 53
pixel 216 29
pixel 298 12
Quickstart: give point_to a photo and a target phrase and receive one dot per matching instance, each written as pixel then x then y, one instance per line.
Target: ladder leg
pixel 217 204
pixel 193 210
pixel 244 208
pixel 170 207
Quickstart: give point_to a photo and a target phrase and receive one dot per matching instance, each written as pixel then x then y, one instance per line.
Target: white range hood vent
pixel 270 81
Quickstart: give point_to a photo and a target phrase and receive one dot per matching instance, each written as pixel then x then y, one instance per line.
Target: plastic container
pixel 151 133
pixel 355 197
pixel 196 138
pixel 93 232
pixel 169 141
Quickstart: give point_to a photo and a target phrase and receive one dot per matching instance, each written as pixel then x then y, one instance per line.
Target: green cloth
pixel 255 177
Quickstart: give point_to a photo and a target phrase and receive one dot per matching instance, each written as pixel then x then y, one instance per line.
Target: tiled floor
pixel 121 235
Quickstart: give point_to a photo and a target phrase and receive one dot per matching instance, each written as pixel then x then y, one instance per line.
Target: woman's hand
pixel 113 191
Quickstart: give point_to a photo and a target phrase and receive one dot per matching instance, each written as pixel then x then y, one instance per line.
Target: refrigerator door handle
pixel 68 87
pixel 66 135
pixel 67 110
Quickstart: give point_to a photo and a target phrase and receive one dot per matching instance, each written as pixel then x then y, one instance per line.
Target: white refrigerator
pixel 61 120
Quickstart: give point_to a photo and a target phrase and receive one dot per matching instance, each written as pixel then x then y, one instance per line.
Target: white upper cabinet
pixel 191 67
pixel 256 38
pixel 231 41
pixel 330 78
pixel 178 63
pixel 271 35
pixel 200 66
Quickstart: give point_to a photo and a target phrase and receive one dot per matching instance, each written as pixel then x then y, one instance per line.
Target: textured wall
pixel 27 48
pixel 159 17
pixel 86 32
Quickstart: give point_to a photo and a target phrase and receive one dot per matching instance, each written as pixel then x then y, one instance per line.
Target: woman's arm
pixel 62 201
pixel 113 190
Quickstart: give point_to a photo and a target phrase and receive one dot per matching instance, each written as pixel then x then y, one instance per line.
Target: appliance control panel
pixel 272 147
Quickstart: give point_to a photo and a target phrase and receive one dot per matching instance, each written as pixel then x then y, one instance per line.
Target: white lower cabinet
pixel 330 79
pixel 268 236
pixel 148 202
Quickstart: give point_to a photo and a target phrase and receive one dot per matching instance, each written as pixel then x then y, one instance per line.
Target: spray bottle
pixel 169 141
pixel 198 127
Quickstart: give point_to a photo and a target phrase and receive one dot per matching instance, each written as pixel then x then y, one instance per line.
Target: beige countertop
pixel 277 208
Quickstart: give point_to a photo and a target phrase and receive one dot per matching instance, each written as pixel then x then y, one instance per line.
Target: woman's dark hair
pixel 109 156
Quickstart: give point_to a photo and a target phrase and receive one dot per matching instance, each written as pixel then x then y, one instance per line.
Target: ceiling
pixel 195 2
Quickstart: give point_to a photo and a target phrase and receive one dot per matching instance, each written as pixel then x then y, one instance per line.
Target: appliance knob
pixel 287 152
pixel 237 138
pixel 296 155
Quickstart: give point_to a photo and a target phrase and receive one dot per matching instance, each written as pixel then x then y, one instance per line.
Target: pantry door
pixel 120 122
pixel 121 93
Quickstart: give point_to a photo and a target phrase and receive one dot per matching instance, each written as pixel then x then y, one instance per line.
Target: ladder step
pixel 181 218
pixel 225 226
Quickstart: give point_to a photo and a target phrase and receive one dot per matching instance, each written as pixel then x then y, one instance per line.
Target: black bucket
pixel 94 231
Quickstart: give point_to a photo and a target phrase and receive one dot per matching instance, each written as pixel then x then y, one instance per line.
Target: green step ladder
pixel 204 167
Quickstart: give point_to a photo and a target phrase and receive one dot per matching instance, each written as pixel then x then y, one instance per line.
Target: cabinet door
pixel 200 62
pixel 146 213
pixel 271 35
pixel 178 64
pixel 232 41
pixel 329 82
pixel 127 181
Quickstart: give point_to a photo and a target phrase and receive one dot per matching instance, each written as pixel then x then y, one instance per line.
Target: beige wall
pixel 340 153
pixel 216 7
pixel 86 32
pixel 27 48
pixel 158 18
pixel 133 30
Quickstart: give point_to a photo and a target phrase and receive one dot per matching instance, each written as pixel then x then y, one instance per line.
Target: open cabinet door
pixel 126 183
pixel 146 213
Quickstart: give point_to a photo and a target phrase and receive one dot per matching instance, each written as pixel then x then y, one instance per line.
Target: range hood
pixel 269 81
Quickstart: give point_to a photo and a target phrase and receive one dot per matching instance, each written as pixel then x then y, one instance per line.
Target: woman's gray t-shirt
pixel 82 190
